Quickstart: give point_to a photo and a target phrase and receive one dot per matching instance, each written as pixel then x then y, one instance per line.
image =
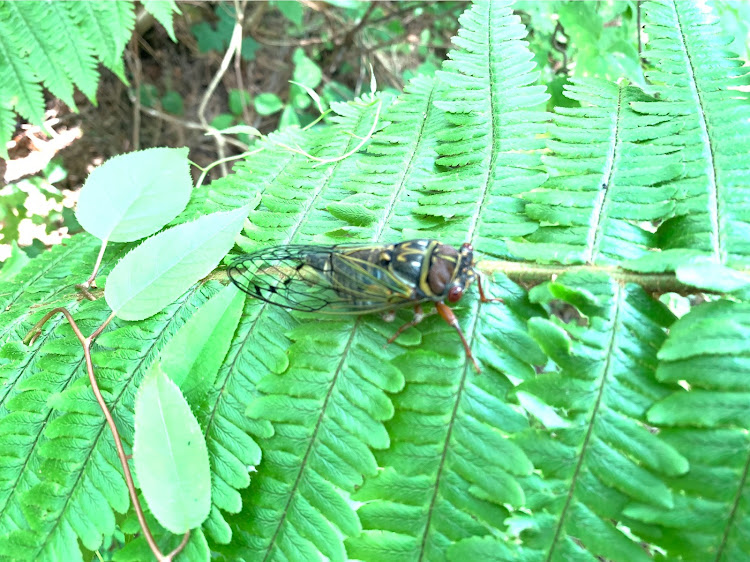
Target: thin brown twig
pixel 136 70
pixel 235 45
pixel 189 125
pixel 362 22
pixel 86 344
pixel 241 85
pixel 180 546
pixel 638 26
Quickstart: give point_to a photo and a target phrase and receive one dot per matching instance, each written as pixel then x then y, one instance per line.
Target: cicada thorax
pixel 428 268
pixel 432 267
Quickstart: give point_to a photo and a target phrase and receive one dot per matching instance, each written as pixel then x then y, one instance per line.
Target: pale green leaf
pixel 193 356
pixel 170 455
pixel 134 195
pixel 163 267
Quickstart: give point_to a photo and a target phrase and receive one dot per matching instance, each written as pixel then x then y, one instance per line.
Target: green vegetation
pixel 602 425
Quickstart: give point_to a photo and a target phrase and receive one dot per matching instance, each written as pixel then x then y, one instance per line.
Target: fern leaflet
pixel 693 74
pixel 606 176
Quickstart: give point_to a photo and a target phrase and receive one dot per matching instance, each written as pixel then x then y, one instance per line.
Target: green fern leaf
pixel 452 473
pixel 292 200
pixel 47 369
pixel 389 176
pixel 707 349
pixel 285 526
pixel 322 440
pixel 39 33
pixel 248 180
pixel 108 26
pixel 606 457
pixel 18 87
pixel 320 445
pixel 72 480
pixel 488 98
pixel 607 176
pixel 694 75
pixel 163 12
pixel 81 60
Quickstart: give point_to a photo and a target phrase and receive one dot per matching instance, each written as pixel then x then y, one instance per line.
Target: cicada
pixel 361 279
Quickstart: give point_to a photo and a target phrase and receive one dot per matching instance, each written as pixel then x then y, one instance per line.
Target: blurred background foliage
pixel 288 48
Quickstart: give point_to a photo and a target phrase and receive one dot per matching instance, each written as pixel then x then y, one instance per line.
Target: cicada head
pixel 451 271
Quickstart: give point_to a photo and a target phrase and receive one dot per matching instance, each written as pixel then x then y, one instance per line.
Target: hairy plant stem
pixel 86 344
pixel 528 275
pixel 86 285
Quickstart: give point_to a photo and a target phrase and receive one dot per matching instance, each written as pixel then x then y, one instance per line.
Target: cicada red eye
pixel 454 295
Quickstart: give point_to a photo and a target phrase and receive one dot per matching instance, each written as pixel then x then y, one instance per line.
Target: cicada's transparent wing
pixel 327 279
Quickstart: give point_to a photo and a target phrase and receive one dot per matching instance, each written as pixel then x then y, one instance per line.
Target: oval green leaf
pixel 170 455
pixel 134 195
pixel 164 266
pixel 267 103
pixel 193 356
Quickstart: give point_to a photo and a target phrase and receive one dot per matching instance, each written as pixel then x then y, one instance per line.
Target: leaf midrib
pixel 618 300
pixel 596 231
pixel 714 200
pixel 313 438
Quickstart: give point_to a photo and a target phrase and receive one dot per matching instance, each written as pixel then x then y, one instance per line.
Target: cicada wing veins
pixel 326 279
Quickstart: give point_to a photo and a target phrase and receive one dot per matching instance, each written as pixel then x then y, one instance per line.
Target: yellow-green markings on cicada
pixel 360 279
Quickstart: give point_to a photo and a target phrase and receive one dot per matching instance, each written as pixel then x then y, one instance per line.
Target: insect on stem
pixel 362 279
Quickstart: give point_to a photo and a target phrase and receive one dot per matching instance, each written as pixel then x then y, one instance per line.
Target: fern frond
pixel 72 481
pixel 307 186
pixel 108 26
pixel 335 376
pixel 50 282
pixel 492 144
pixel 327 410
pixel 231 449
pixel 707 349
pixel 81 58
pixel 26 19
pixel 250 178
pixel 399 159
pixel 601 455
pixel 34 378
pixel 18 82
pixel 606 176
pixel 693 75
pixel 163 12
pixel 293 207
pixel 451 470
pixel 58 44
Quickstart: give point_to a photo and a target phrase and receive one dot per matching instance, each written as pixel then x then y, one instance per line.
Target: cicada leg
pixel 388 316
pixel 447 314
pixel 482 297
pixel 419 315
